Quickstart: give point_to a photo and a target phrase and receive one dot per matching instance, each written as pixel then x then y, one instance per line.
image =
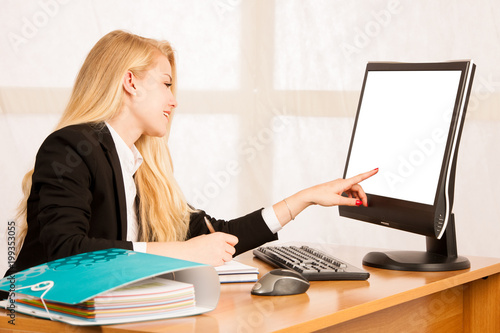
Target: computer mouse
pixel 281 282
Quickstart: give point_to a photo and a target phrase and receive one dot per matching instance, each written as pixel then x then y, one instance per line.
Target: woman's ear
pixel 129 83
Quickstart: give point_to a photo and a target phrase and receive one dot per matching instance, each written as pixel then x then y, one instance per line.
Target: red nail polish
pixel 376 169
pixel 359 202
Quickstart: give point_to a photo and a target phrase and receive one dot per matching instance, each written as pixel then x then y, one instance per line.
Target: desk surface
pixel 326 303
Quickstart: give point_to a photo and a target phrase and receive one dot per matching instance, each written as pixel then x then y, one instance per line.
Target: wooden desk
pixel 390 301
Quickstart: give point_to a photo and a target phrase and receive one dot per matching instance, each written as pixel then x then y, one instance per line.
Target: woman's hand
pixel 327 194
pixel 330 194
pixel 213 249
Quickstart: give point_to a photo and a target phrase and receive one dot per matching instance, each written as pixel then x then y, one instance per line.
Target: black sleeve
pixel 251 230
pixel 65 185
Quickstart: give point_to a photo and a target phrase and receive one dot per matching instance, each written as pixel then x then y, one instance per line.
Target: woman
pixel 104 178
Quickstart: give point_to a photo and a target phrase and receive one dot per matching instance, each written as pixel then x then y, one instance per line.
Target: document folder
pixel 81 278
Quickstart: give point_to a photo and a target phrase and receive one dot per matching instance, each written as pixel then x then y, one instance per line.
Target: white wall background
pixel 268 92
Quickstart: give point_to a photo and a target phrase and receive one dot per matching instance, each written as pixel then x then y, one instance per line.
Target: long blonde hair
pixel 97 97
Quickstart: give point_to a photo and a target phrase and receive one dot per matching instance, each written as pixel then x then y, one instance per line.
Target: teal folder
pixel 80 278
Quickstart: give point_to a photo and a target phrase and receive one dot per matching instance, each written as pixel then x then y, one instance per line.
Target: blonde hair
pixel 97 97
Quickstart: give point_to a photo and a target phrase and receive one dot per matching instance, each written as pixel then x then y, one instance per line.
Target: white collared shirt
pixel 130 161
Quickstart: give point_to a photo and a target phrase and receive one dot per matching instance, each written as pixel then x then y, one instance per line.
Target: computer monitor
pixel 408 124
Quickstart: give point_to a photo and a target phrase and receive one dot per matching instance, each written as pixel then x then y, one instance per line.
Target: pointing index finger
pixel 359 178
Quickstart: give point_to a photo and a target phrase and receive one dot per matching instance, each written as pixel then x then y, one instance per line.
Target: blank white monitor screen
pixel 402 127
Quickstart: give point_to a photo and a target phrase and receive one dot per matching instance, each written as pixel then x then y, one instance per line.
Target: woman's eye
pixel 168 85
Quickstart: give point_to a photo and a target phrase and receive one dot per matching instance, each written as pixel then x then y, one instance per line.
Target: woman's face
pixel 154 102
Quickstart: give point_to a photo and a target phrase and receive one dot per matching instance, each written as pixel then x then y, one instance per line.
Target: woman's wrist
pixel 287 209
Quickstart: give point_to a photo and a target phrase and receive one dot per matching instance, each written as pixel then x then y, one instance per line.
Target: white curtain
pixel 267 95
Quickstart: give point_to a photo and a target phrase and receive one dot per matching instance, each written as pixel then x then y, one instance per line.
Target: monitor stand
pixel 441 255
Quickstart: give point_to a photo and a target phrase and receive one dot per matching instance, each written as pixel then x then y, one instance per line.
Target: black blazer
pixel 77 201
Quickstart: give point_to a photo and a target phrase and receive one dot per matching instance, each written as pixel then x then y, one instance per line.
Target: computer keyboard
pixel 310 262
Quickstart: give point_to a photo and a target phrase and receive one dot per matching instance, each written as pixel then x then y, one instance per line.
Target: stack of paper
pixel 234 271
pixel 140 299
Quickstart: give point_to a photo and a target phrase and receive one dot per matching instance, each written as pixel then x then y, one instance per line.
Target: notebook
pixel 234 271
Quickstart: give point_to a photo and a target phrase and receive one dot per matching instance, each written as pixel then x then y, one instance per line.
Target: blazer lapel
pixel 112 156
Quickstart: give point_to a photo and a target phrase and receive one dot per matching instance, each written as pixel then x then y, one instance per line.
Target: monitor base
pixel 415 261
pixel 441 255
